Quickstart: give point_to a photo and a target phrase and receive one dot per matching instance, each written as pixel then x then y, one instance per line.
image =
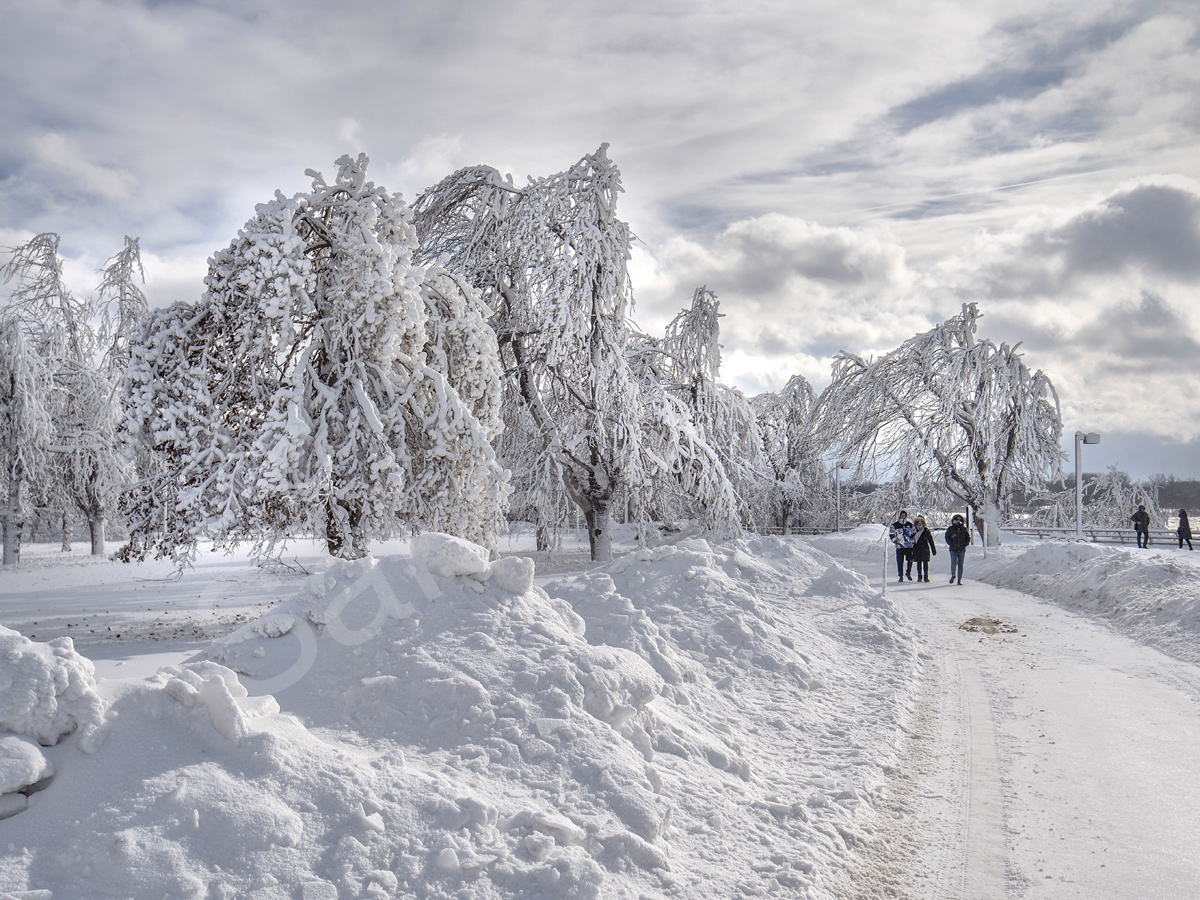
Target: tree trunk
pixel 599 520
pixel 989 516
pixel 542 535
pixel 66 532
pixel 12 519
pixel 96 526
pixel 344 535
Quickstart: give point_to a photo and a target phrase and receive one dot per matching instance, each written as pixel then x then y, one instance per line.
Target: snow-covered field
pixel 694 720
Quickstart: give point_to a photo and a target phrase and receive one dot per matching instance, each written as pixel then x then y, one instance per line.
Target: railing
pixel 1095 535
pixel 778 529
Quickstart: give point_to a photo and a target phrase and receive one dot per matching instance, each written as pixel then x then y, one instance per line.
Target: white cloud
pixel 65 163
pixel 793 293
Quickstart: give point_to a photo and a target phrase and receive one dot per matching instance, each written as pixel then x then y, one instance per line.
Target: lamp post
pixel 839 496
pixel 1081 439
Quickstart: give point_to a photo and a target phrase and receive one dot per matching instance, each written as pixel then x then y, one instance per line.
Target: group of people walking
pixel 1141 527
pixel 915 544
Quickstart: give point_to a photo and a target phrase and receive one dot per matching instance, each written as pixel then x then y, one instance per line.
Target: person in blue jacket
pixel 901 534
pixel 957 539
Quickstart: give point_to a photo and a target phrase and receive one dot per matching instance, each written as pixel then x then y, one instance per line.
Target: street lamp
pixel 1081 439
pixel 839 496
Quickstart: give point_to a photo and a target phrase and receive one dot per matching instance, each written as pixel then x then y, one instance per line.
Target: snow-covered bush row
pixel 1154 597
pixel 436 725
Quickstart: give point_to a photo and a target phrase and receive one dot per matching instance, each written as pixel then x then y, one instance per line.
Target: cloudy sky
pixel 843 173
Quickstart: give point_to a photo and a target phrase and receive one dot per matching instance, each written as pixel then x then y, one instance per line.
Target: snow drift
pixel 681 722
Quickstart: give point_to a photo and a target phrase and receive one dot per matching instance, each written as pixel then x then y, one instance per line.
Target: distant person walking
pixel 957 539
pixel 1141 525
pixel 923 546
pixel 901 534
pixel 1184 530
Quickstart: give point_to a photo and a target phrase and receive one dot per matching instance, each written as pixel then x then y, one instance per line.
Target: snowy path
pixel 1056 760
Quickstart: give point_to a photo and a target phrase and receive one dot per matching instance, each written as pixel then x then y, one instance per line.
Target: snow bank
pixel 1151 595
pixel 47 690
pixel 437 725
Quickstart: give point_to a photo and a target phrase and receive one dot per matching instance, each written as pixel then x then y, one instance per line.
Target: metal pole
pixel 1078 488
pixel 1080 440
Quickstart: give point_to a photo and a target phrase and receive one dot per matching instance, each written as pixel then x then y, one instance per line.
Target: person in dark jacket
pixel 1184 530
pixel 901 534
pixel 1141 525
pixel 957 539
pixel 922 547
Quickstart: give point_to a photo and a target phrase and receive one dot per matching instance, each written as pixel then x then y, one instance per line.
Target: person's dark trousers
pixel 922 570
pixel 1182 539
pixel 956 564
pixel 1143 539
pixel 904 563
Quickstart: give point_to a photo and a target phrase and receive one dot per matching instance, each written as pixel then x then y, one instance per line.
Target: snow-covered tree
pixel 550 258
pixel 947 404
pixel 722 416
pixel 1109 499
pixel 85 466
pixel 123 305
pixel 801 491
pixel 26 427
pixel 305 390
pixel 688 476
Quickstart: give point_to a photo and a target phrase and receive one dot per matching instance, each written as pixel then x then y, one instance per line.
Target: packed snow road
pixel 1049 756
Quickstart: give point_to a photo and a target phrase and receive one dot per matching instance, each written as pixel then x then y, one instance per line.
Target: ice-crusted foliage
pixel 1109 499
pixel 720 416
pixel 550 258
pixel 305 390
pixel 123 306
pixel 801 494
pixel 945 404
pixel 83 466
pixel 462 344
pixel 689 476
pixel 26 427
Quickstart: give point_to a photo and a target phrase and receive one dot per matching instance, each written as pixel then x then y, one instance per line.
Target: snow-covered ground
pixel 695 720
pixel 690 721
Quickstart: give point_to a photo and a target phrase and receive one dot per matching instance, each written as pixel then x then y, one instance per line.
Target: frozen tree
pixel 550 258
pixel 721 416
pixel 123 305
pixel 26 427
pixel 688 475
pixel 801 491
pixel 948 405
pixel 306 388
pixel 1109 499
pixel 85 466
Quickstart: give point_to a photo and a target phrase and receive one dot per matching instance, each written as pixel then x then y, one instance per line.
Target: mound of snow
pixel 437 725
pixel 1154 597
pixel 47 690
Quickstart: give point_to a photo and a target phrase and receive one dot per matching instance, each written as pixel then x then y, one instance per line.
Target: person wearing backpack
pixel 957 539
